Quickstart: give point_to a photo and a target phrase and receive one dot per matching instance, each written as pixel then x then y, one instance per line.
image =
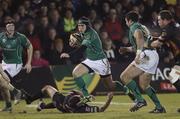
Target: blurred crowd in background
pixel 48 23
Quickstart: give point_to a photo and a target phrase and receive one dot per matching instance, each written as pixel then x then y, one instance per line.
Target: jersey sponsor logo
pixel 3 40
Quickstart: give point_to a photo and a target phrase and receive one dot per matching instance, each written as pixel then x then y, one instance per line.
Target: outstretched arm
pixel 108 101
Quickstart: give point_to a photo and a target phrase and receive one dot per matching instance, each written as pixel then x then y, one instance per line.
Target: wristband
pixel 138 52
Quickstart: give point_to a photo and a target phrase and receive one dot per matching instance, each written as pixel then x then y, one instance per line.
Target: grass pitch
pixel 119 109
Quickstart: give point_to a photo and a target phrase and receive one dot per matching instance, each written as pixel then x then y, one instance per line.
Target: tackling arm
pixel 108 101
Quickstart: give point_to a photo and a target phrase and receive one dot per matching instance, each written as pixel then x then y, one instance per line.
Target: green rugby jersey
pixel 145 31
pixel 94 50
pixel 12 48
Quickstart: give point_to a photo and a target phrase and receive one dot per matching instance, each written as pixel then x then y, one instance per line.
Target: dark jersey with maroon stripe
pixel 62 103
pixel 171 39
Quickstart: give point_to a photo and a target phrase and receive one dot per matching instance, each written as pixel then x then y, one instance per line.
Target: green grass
pixel 117 110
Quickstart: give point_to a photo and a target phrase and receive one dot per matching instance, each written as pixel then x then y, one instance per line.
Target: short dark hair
pixel 165 14
pixel 73 101
pixel 132 15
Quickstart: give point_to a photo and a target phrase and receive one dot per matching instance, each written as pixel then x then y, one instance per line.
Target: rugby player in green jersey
pixel 12 44
pixel 96 60
pixel 144 64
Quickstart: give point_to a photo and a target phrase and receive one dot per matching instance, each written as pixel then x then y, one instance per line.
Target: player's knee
pixel 143 86
pixel 123 77
pixel 110 86
pixel 75 74
pixel 46 87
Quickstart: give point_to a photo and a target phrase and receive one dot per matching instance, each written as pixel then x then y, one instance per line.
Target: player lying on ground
pixel 66 104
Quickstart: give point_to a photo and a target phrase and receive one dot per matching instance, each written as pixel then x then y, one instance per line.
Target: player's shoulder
pixel 2 34
pixel 134 26
pixel 93 33
pixel 20 35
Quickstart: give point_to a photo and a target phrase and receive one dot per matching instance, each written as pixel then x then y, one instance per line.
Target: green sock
pixel 81 84
pixel 119 86
pixel 151 93
pixel 135 90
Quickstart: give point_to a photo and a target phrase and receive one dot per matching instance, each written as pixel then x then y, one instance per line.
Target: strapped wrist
pixel 138 52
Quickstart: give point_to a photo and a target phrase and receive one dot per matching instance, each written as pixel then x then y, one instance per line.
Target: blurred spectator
pixel 1 17
pixel 113 26
pixel 97 25
pixel 17 20
pixel 54 18
pixel 43 11
pixel 68 5
pixel 32 35
pixel 108 45
pixel 93 15
pixel 84 8
pixel 127 56
pixel 5 7
pixel 56 22
pixel 118 8
pixel 43 30
pixel 37 60
pixel 68 21
pixel 150 6
pixel 105 11
pixel 54 54
pixel 47 43
pixel 152 25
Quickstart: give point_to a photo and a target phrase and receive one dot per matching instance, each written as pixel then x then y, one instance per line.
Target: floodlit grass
pixel 119 109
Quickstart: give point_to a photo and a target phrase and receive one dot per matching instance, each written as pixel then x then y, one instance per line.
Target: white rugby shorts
pixel 101 67
pixel 149 65
pixel 12 69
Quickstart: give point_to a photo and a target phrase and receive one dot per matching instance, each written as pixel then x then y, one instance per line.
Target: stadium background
pixel 48 23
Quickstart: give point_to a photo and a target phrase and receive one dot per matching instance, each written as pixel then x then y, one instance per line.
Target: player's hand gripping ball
pixel 75 40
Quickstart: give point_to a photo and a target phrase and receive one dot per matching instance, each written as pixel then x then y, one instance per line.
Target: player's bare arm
pixel 140 43
pixel 108 101
pixel 29 55
pixel 123 50
pixel 157 42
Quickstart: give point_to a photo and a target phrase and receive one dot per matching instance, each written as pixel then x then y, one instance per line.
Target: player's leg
pixel 77 73
pixel 41 106
pixel 6 77
pixel 16 93
pixel 49 90
pixel 5 94
pixel 107 103
pixel 127 77
pixel 144 82
pixel 174 77
pixel 116 85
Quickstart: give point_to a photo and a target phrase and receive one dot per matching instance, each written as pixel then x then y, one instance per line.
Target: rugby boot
pixel 26 97
pixel 17 97
pixel 138 105
pixel 40 106
pixel 158 110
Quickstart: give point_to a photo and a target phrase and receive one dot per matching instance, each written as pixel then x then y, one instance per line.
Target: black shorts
pixel 58 100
